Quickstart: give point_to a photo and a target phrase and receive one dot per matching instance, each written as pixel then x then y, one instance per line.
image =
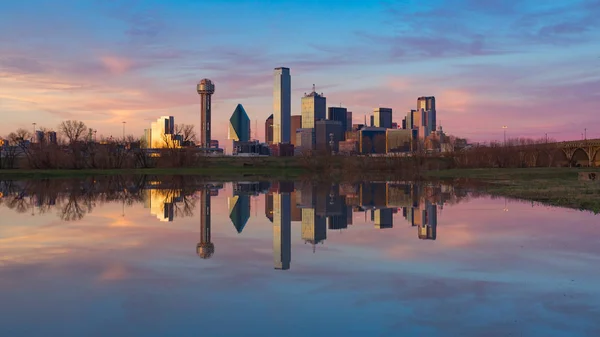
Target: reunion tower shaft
pixel 205 89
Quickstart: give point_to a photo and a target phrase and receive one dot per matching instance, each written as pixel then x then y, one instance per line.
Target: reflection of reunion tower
pixel 205 248
pixel 205 89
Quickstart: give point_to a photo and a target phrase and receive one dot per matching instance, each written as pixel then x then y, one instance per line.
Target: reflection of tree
pixel 74 210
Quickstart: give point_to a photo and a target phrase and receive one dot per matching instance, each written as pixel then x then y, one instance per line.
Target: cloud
pixel 116 65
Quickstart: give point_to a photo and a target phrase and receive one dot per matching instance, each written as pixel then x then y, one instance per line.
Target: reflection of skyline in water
pixel 486 266
pixel 317 208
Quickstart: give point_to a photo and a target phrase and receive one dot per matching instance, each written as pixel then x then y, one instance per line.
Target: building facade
pixel 372 140
pixel 239 125
pixel 162 134
pixel 382 118
pixel 327 131
pixel 398 140
pixel 282 105
pixel 269 130
pixel 341 115
pixel 304 140
pixel 314 108
pixel 295 125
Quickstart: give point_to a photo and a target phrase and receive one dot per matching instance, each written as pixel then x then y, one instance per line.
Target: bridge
pixel 580 152
pixel 584 153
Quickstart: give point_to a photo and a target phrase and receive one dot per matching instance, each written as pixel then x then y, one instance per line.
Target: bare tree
pixel 187 132
pixel 73 130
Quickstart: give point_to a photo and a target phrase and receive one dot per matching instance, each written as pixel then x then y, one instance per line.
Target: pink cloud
pixel 116 65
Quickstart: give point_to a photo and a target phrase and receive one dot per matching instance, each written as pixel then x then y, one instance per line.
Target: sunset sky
pixel 531 65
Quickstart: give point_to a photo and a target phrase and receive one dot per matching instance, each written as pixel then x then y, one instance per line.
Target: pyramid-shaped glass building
pixel 239 125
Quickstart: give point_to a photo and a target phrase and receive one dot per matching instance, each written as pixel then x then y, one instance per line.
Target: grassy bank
pixel 216 173
pixel 551 186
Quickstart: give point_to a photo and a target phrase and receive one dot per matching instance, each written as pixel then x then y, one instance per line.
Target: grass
pixel 217 173
pixel 551 186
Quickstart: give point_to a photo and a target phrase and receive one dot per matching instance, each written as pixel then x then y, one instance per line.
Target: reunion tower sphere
pixel 205 89
pixel 205 86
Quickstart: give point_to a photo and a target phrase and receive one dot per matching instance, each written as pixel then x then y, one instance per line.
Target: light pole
pixel 33 136
pixel 124 130
pixel 546 137
pixel 585 134
pixel 504 127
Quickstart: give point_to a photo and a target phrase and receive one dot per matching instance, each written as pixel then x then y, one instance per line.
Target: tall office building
pixel 282 105
pixel 314 108
pixel 341 115
pixel 239 125
pixel 427 113
pixel 426 103
pixel 295 125
pixel 269 130
pixel 282 231
pixel 382 118
pixel 205 248
pixel 205 89
pixel 162 134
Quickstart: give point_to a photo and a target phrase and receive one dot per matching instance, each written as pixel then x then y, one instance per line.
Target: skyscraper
pixel 341 115
pixel 282 105
pixel 382 118
pixel 269 130
pixel 205 89
pixel 426 111
pixel 239 125
pixel 314 108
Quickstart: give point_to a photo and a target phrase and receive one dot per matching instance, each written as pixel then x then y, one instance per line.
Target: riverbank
pixel 550 186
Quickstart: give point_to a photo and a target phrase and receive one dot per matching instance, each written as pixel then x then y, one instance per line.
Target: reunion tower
pixel 205 89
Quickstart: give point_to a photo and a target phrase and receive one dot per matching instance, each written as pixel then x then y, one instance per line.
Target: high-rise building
pixel 382 118
pixel 327 131
pixel 341 115
pixel 52 137
pixel 162 134
pixel 426 113
pixel 314 108
pixel 205 89
pixel 282 105
pixel 282 231
pixel 426 103
pixel 295 125
pixel 269 130
pixel 239 125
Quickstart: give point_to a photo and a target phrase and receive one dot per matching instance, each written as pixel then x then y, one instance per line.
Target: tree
pixel 187 132
pixel 73 130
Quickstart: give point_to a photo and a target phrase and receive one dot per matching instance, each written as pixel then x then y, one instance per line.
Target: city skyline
pixel 134 63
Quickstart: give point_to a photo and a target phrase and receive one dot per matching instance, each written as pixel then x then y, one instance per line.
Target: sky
pixel 531 65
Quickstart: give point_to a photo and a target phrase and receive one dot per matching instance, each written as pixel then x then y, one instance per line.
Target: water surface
pixel 292 259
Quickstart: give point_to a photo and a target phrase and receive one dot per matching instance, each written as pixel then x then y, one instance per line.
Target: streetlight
pixel 124 130
pixel 504 127
pixel 585 133
pixel 546 137
pixel 34 124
